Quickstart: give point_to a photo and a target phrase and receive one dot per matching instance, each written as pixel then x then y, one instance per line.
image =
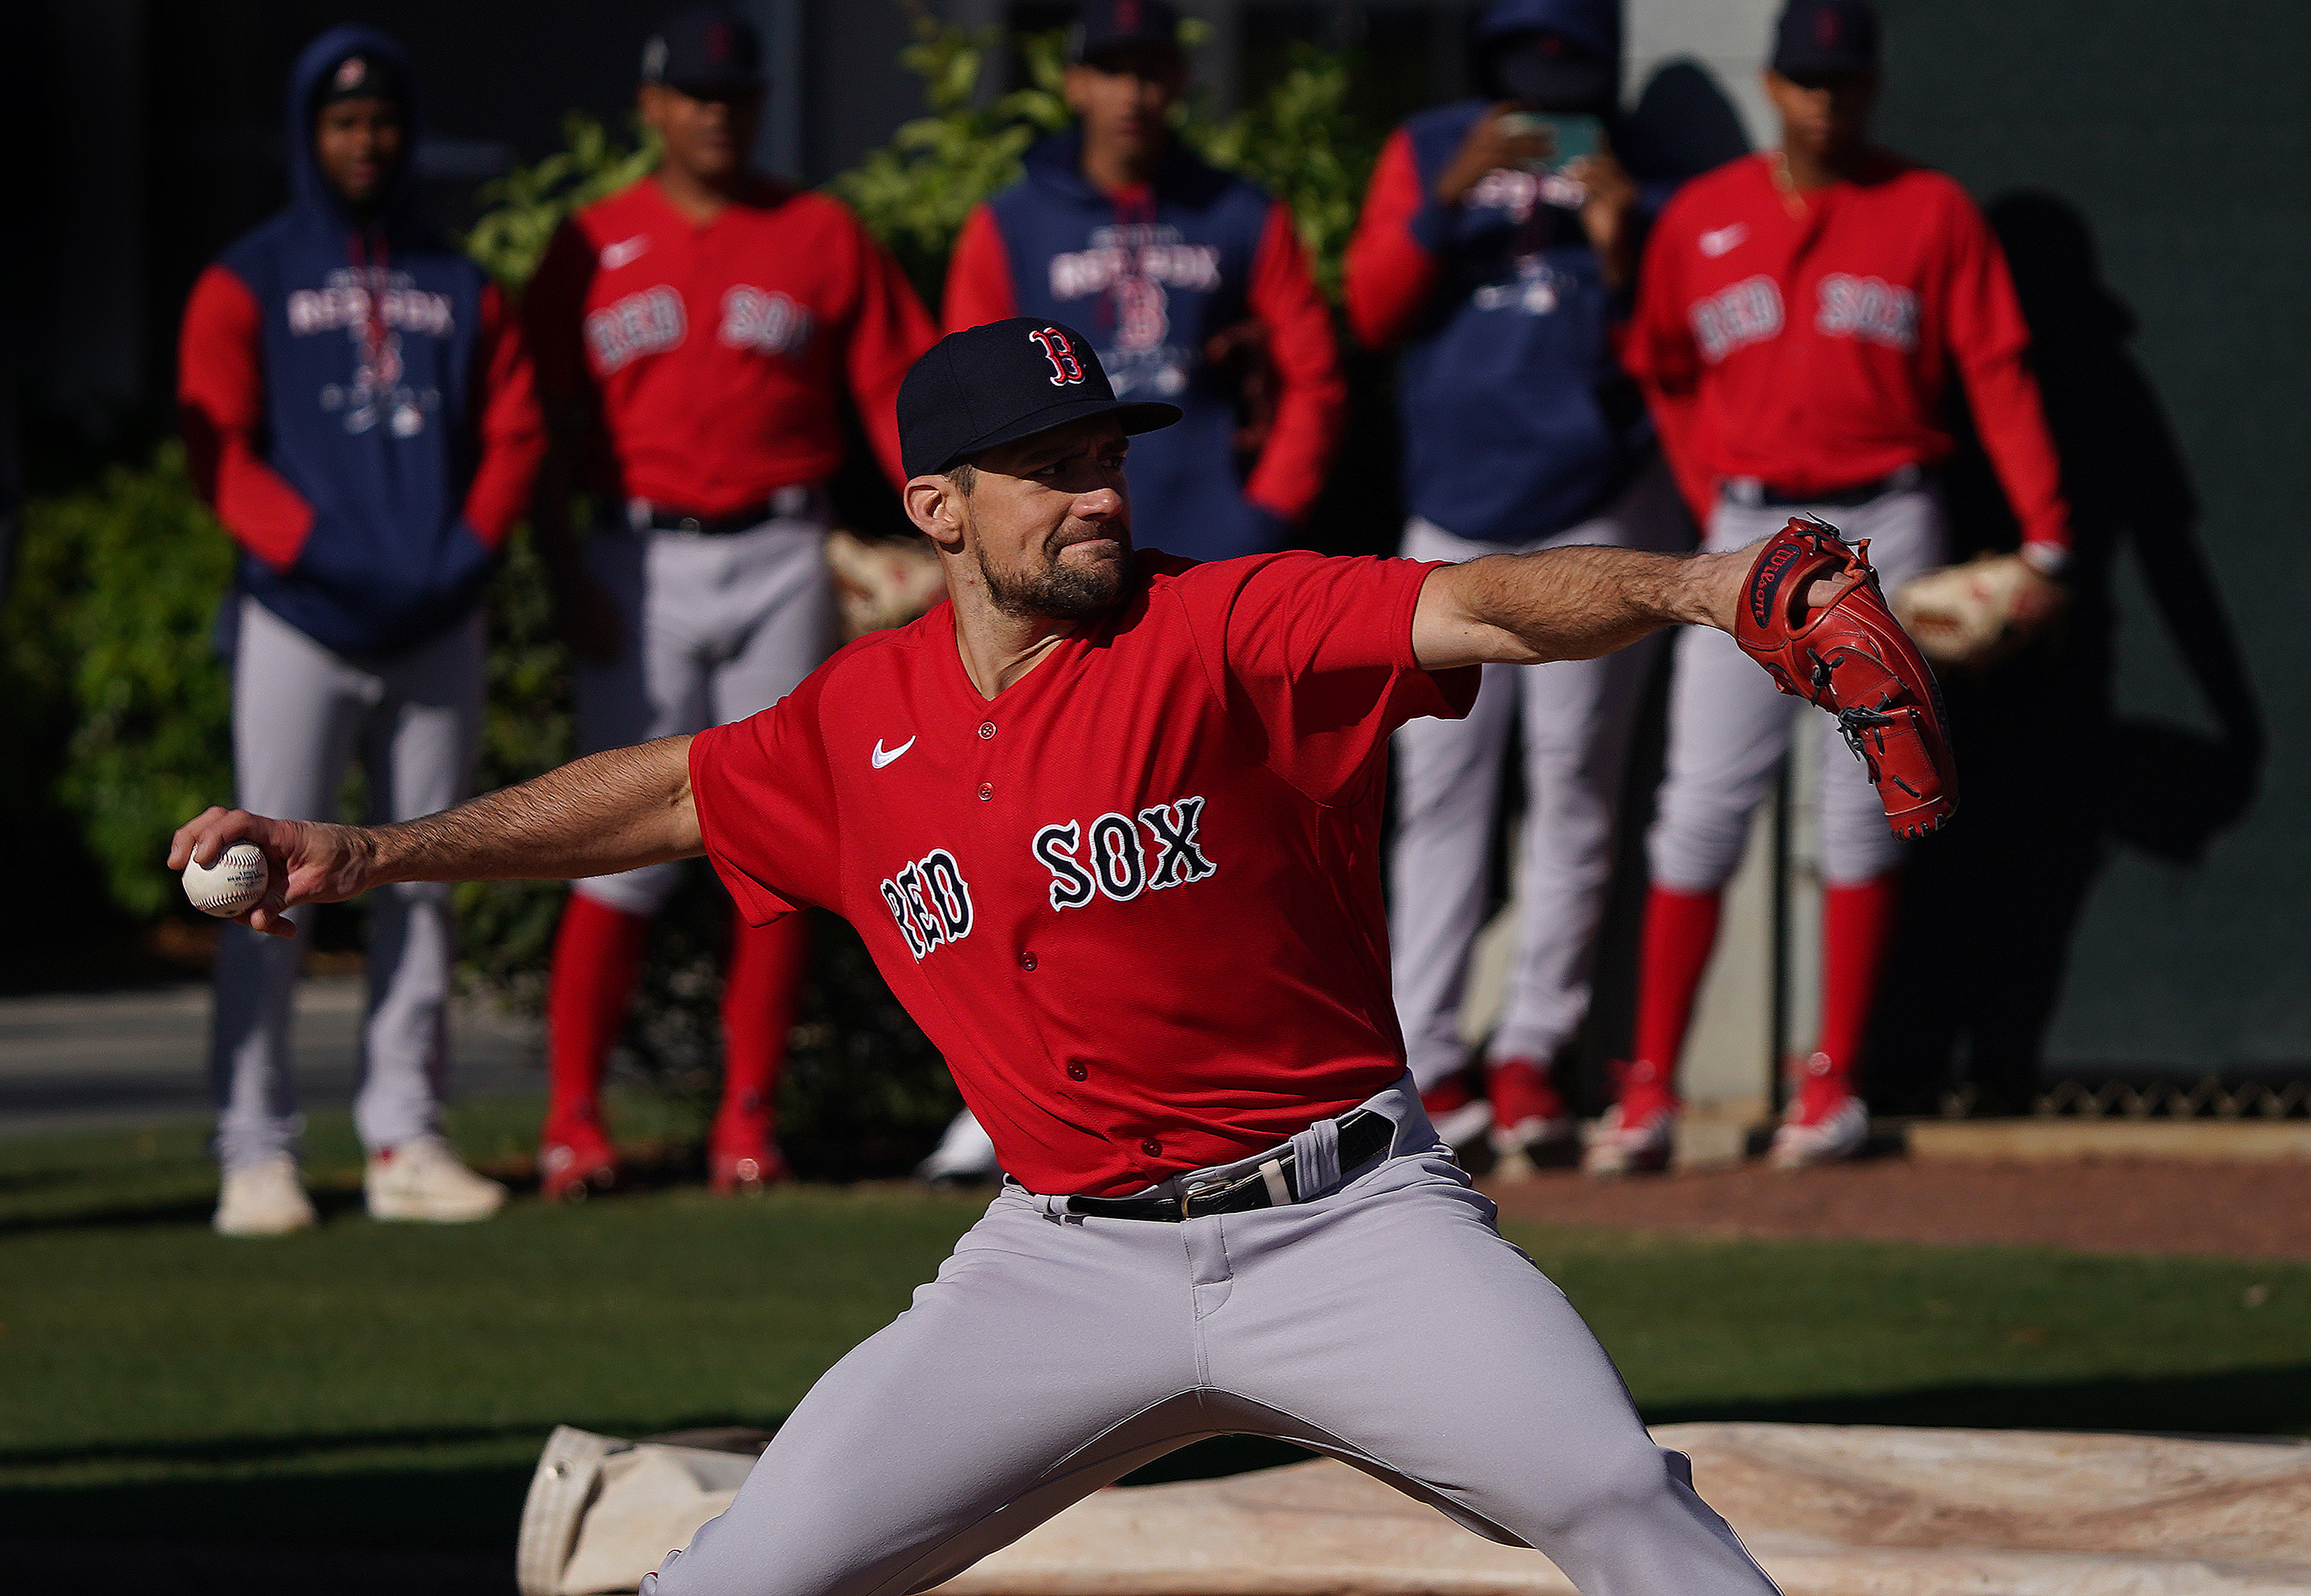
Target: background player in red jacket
pixel 695 335
pixel 1801 313
pixel 1192 283
pixel 358 408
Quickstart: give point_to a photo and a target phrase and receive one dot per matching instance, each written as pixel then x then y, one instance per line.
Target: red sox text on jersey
pixel 1134 899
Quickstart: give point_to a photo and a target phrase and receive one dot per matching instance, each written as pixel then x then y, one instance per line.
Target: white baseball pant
pixel 1056 1353
pixel 716 628
pixel 1576 717
pixel 300 712
pixel 1728 726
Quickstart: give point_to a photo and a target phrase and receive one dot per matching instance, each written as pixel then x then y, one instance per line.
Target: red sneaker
pixel 1528 1112
pixel 575 1159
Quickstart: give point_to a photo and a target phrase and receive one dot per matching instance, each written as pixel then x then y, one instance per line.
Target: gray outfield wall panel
pixel 2183 137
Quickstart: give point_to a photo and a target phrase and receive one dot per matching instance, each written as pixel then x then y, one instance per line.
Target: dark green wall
pixel 2175 813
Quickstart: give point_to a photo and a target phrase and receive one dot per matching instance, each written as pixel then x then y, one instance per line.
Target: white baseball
pixel 231 885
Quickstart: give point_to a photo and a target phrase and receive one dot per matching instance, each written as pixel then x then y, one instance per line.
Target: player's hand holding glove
pixel 1842 649
pixel 1975 615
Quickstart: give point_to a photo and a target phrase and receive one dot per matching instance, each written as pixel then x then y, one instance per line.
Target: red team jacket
pixel 714 354
pixel 1134 899
pixel 1811 354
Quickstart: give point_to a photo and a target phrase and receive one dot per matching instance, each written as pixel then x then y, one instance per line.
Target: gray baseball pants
pixel 1383 1320
pixel 1575 717
pixel 1729 726
pixel 717 628
pixel 300 713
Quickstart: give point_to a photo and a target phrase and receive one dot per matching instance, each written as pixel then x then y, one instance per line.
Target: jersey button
pixel 986 729
pixel 1027 960
pixel 1152 1148
pixel 986 790
pixel 1076 1072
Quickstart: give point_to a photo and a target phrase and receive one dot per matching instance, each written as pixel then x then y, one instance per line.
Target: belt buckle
pixel 1202 1192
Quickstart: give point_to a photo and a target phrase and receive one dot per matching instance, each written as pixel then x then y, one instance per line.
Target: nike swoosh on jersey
pixel 623 251
pixel 882 756
pixel 1718 241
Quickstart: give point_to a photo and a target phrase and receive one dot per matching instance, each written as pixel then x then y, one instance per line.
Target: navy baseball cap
pixel 1561 54
pixel 362 75
pixel 704 49
pixel 1105 25
pixel 1004 381
pixel 1826 36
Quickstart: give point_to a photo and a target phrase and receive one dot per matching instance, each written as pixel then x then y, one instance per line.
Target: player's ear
pixel 935 505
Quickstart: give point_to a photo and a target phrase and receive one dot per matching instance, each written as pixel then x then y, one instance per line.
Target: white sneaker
pixel 1823 1123
pixel 1461 1127
pixel 422 1179
pixel 965 1156
pixel 1617 1148
pixel 264 1198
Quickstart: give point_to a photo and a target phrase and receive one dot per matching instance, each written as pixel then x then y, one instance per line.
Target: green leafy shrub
pixel 1299 141
pixel 522 209
pixel 110 622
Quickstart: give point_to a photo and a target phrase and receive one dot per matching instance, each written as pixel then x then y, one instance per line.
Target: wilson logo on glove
pixel 1852 658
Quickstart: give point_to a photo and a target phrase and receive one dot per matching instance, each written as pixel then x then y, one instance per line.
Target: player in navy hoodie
pixel 1183 274
pixel 358 411
pixel 1502 266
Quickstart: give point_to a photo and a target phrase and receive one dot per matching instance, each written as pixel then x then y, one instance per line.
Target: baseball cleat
pixel 737 1165
pixel 1459 1118
pixel 264 1198
pixel 1530 1118
pixel 422 1179
pixel 575 1161
pixel 1826 1121
pixel 965 1156
pixel 1638 1134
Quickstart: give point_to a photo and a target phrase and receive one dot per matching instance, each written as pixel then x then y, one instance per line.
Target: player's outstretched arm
pixel 1568 604
pixel 607 812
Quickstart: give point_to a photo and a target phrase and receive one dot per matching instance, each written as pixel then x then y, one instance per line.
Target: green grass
pixel 376 1385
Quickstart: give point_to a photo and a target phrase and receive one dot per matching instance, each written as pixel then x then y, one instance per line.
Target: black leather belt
pixel 1764 496
pixel 646 516
pixel 1363 1134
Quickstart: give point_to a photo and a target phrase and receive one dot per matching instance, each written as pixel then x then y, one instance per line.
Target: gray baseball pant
pixel 1383 1320
pixel 1576 717
pixel 1728 726
pixel 301 714
pixel 717 628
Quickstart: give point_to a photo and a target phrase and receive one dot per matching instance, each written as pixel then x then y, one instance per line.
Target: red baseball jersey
pixel 1135 898
pixel 712 355
pixel 1810 351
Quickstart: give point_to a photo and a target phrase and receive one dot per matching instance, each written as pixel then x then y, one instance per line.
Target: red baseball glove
pixel 1852 657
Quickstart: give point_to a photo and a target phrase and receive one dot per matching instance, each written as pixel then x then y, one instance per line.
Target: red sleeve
pixel 553 316
pixel 1313 656
pixel 1312 396
pixel 889 334
pixel 1656 348
pixel 512 431
pixel 978 275
pixel 766 808
pixel 220 405
pixel 1388 271
pixel 1989 341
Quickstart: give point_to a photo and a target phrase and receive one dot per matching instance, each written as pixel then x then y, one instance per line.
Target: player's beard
pixel 1058 589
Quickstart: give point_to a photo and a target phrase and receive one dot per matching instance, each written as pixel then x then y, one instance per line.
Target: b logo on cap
pixel 350 73
pixel 1064 366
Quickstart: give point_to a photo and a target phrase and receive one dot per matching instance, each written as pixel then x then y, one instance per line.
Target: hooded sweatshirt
pixel 1150 274
pixel 355 399
pixel 1517 421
